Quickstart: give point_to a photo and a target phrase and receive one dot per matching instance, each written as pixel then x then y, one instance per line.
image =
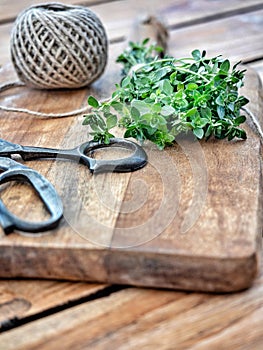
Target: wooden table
pixel 49 314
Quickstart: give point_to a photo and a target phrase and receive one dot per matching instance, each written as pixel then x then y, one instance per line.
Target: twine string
pixel 56 46
pixel 16 84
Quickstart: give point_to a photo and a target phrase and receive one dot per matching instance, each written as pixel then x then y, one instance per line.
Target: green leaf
pixel 206 112
pixel 220 100
pixel 167 110
pixel 242 101
pixel 145 41
pixel 202 122
pixel 125 82
pixel 180 86
pixel 111 121
pixel 198 132
pixel 242 134
pixel 160 73
pixel 209 131
pixel 196 55
pixel 94 126
pixel 146 118
pixel 231 106
pixel 220 111
pixel 117 106
pixel 86 121
pixel 135 113
pixel 166 87
pixel 225 66
pixel 239 120
pixel 142 106
pixel 191 86
pixel 93 102
pixel 231 135
pixel 192 113
pixel 156 108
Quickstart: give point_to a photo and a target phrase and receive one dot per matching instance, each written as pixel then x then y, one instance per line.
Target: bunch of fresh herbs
pixel 159 98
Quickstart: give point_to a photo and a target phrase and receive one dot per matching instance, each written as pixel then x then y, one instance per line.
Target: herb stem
pixel 162 60
pixel 171 59
pixel 194 73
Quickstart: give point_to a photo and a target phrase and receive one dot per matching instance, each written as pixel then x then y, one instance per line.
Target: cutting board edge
pixel 179 272
pixel 186 272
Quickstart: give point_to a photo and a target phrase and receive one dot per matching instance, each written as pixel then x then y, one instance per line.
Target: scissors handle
pixel 47 193
pixel 136 160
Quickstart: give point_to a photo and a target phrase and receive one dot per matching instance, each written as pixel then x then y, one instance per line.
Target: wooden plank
pixel 175 12
pixel 148 319
pixel 24 298
pixel 258 66
pixel 212 229
pixel 238 38
pixel 54 132
pixel 5 44
pixel 8 13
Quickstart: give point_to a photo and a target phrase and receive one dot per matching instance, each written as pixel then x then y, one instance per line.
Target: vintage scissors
pixel 16 171
pixel 13 170
pixel 135 161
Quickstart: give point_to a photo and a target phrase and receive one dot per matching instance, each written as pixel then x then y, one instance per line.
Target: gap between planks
pixel 21 5
pixel 149 319
pixel 100 291
pixel 217 16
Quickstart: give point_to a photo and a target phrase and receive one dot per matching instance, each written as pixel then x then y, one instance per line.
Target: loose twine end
pixel 16 84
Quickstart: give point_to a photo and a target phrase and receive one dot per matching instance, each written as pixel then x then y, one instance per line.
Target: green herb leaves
pixel 160 98
pixel 100 120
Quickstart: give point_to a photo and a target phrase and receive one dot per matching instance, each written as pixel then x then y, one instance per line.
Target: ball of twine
pixel 58 46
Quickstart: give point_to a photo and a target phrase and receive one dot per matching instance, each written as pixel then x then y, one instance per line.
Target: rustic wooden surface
pixel 150 319
pixel 132 318
pixel 183 226
pixel 180 227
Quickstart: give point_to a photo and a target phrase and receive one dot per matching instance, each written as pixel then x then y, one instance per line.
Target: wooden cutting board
pixel 191 219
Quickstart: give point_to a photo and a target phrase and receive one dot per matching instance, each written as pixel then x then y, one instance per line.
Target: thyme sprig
pixel 160 98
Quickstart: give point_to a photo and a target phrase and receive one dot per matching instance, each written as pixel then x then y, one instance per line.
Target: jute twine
pixel 56 46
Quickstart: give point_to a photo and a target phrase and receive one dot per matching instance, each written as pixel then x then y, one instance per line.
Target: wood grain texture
pixel 150 319
pixel 8 13
pixel 132 318
pixel 258 67
pixel 176 14
pixel 239 37
pixel 178 223
pixel 24 298
pixel 176 11
pixel 128 228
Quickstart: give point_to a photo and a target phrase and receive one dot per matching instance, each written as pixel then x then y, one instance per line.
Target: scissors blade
pixel 8 148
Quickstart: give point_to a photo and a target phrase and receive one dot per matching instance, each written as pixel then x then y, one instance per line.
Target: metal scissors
pixel 13 170
pixel 135 161
pixel 82 154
